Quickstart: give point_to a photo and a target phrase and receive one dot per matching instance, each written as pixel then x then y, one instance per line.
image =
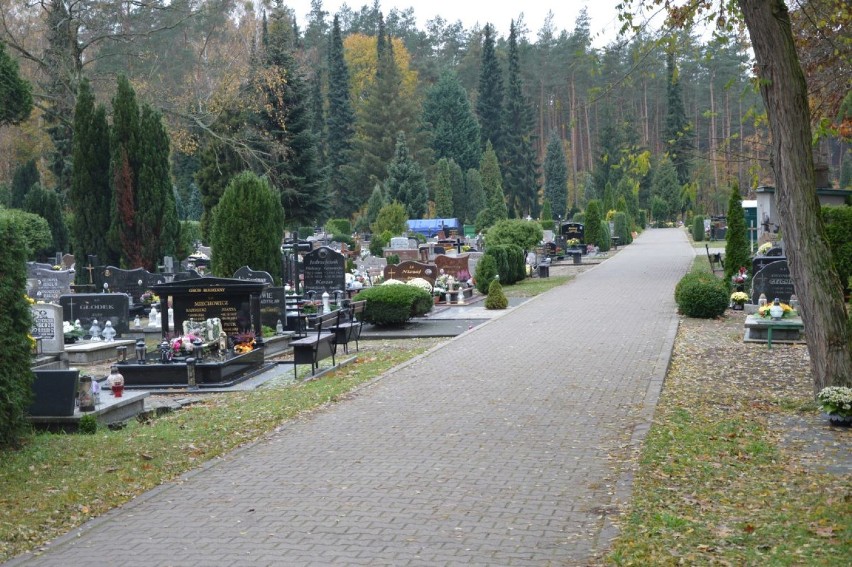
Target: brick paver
pixel 505 446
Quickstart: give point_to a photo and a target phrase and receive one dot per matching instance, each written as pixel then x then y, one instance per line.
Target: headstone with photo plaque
pixel 47 327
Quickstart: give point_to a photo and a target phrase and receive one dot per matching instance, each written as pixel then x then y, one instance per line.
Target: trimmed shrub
pixel 604 237
pixel 621 224
pixel 88 424
pixel 701 295
pixel 15 322
pixel 486 269
pixel 698 228
pixel 737 246
pixel 392 259
pixel 509 260
pixel 338 226
pixel 496 298
pixel 394 304
pixel 593 222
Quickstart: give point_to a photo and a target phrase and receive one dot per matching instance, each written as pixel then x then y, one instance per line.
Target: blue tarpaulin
pixel 431 227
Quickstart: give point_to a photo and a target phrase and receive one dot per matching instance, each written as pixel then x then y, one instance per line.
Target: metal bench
pixel 320 343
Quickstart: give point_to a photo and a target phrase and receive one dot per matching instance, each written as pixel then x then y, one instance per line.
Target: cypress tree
pixel 455 131
pixel 24 177
pixel 341 126
pixel 247 227
pixel 475 195
pixel 375 203
pixel 458 191
pixel 516 152
pixel 405 181
pixel 666 187
pixel 737 249
pixel 489 103
pixel 15 323
pixel 16 98
pixel 492 185
pixel 443 191
pixel 592 222
pixel 556 176
pixel 124 170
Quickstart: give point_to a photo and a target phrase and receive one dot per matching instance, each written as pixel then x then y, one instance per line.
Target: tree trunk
pixel 784 92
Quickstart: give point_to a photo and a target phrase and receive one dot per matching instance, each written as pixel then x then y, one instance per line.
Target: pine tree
pixel 678 131
pixel 737 249
pixel 24 177
pixel 375 203
pixel 516 152
pixel 492 185
pixel 609 154
pixel 556 176
pixel 489 103
pixel 443 191
pixel 455 131
pixel 340 127
pixel 405 181
pixel 247 227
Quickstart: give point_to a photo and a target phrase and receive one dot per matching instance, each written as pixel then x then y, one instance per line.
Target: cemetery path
pixel 512 444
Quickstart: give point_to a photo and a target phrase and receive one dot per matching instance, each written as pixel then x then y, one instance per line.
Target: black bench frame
pixel 350 330
pixel 320 343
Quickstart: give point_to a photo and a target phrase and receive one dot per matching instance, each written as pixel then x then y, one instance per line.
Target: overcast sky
pixel 604 20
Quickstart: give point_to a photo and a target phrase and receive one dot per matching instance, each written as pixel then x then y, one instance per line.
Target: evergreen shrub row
pixel 510 262
pixel 394 304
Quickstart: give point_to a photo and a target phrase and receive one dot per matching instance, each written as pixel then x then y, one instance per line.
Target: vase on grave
pixel 87 394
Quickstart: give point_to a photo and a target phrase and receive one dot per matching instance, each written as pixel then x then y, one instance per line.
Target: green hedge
pixel 394 304
pixel 838 232
pixel 15 323
pixel 701 295
pixel 510 262
pixel 621 223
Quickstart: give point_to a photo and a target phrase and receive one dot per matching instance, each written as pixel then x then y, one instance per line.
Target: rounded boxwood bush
pixel 698 228
pixel 701 295
pixel 394 304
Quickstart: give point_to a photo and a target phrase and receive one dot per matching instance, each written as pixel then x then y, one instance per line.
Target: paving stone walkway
pixel 508 445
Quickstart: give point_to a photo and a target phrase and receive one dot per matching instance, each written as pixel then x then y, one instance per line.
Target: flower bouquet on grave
pixel 738 299
pixel 740 277
pixel 71 334
pixel 244 342
pixel 836 402
pixel 149 298
pixel 183 345
pixel 572 242
pixel 764 311
pixel 764 248
pixel 463 276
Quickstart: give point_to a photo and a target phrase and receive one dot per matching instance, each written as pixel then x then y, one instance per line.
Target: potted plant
pixel 738 299
pixel 71 334
pixel 836 403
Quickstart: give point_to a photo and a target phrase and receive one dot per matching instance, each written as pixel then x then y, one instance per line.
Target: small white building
pixel 768 220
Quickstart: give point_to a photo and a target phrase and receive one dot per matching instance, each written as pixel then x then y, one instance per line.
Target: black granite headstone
pixel 324 270
pixel 574 230
pixel 235 302
pixel 132 282
pixel 773 280
pixel 246 273
pixel 760 262
pixel 104 307
pixel 186 275
pixel 272 308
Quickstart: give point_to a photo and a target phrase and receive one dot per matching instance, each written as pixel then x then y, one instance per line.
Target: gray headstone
pixel 68 262
pixel 47 325
pixel 773 280
pixel 48 285
pixel 399 243
pixel 104 307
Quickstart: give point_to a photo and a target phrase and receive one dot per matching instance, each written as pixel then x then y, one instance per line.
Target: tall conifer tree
pixel 492 185
pixel 340 127
pixel 443 191
pixel 516 152
pixel 678 130
pixel 556 176
pixel 455 131
pixel 405 181
pixel 489 103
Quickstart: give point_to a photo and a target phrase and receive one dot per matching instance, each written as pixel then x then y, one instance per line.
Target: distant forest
pixel 320 112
